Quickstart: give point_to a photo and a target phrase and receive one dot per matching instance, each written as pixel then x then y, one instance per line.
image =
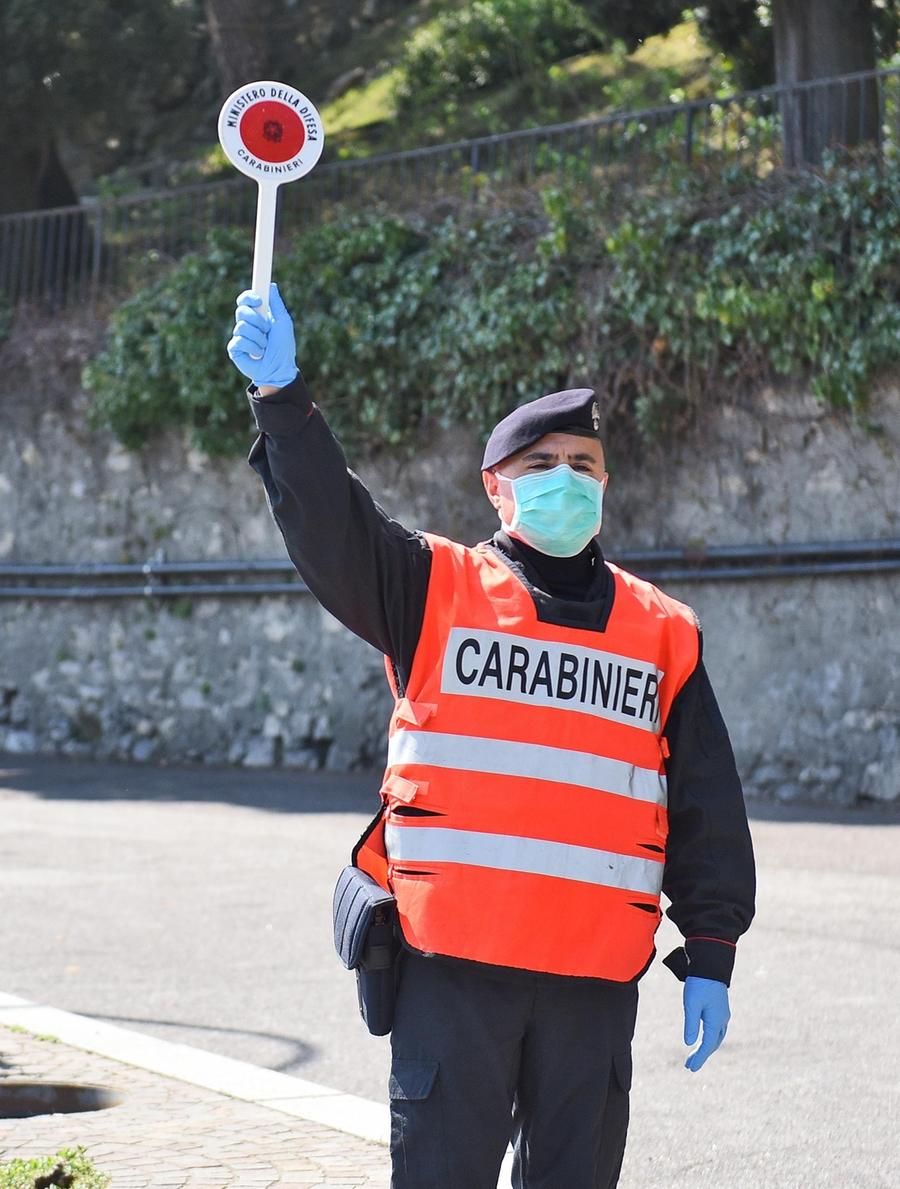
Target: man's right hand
pixel 262 347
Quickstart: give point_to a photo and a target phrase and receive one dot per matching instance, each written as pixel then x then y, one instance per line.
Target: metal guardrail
pixel 70 255
pixel 150 579
pixel 153 579
pixel 739 562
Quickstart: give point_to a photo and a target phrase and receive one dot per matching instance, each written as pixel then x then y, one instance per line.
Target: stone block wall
pixel 807 670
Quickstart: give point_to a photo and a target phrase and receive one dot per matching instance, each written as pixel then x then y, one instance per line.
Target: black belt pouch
pixel 366 941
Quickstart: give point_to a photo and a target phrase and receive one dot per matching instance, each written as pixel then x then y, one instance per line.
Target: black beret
pixel 573 411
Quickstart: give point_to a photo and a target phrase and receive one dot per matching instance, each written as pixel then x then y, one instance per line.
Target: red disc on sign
pixel 272 131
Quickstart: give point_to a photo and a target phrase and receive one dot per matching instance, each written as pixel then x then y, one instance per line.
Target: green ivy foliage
pixel 403 323
pixel 395 319
pixel 799 279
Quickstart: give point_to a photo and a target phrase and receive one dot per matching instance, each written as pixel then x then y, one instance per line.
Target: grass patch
pixel 669 67
pixel 682 48
pixel 372 103
pixel 75 1170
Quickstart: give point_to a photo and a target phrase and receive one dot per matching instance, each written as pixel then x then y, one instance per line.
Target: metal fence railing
pixel 68 256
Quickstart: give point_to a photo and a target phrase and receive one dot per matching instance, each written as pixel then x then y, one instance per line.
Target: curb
pixel 348 1113
pixel 238 1079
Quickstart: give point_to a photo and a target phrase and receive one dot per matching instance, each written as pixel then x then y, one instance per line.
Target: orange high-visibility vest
pixel 524 821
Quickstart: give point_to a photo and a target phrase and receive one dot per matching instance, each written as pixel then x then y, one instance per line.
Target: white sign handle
pixel 264 243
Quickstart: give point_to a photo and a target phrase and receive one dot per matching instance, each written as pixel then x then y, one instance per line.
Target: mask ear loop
pixel 512 525
pixel 601 483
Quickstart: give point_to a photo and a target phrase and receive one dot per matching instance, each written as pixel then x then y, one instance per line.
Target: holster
pixel 366 941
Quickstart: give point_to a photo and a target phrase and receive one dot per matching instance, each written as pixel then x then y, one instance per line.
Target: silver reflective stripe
pixel 505 852
pixel 500 757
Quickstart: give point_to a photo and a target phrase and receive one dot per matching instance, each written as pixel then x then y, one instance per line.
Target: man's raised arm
pixel 366 569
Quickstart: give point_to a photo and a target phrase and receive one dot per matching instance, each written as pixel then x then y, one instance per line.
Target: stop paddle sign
pixel 272 133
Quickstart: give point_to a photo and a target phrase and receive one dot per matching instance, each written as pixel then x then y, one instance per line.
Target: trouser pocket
pixel 615 1122
pixel 418 1154
pixel 622 1067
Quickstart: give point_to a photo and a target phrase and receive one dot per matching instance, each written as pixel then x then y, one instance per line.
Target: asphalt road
pixel 194 904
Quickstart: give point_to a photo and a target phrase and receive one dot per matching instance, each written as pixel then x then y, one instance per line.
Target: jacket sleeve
pixel 709 871
pixel 370 572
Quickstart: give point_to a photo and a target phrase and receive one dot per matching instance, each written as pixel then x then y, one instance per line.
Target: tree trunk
pixel 820 39
pixel 34 177
pixel 238 34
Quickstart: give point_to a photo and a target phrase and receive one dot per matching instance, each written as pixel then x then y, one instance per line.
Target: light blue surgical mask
pixel 556 511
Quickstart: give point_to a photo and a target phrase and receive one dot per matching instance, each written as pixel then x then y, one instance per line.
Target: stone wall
pixel 806 669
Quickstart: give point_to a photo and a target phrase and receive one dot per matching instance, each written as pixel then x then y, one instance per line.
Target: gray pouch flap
pixel 357 897
pixel 411 1081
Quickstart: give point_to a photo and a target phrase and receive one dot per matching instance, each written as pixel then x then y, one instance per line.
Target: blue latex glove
pixel 262 348
pixel 705 999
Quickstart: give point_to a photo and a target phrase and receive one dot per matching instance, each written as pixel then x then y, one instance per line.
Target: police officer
pixel 556 761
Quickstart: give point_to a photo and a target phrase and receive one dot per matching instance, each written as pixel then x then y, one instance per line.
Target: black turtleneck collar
pixel 570 591
pixel 563 577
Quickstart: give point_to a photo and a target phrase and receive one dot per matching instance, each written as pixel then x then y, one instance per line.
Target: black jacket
pixel 372 574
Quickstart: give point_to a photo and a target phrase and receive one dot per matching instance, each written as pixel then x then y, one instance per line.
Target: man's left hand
pixel 707 1000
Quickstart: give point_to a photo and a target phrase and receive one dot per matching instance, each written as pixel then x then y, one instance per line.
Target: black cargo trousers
pixel 479 1059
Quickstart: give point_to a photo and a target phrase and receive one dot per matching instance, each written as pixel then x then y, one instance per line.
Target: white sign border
pixel 266 91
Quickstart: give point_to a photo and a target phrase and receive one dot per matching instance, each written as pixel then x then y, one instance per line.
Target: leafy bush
pixel 800 280
pixel 164 364
pixel 489 43
pixel 402 323
pixel 394 319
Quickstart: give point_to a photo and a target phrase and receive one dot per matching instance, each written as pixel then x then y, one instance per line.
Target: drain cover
pixel 21 1100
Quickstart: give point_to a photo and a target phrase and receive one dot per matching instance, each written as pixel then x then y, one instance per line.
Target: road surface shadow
pixel 285 791
pixel 300 1051
pixel 865 813
pixel 278 790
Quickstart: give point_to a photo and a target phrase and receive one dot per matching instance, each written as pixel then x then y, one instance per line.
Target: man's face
pixel 583 455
